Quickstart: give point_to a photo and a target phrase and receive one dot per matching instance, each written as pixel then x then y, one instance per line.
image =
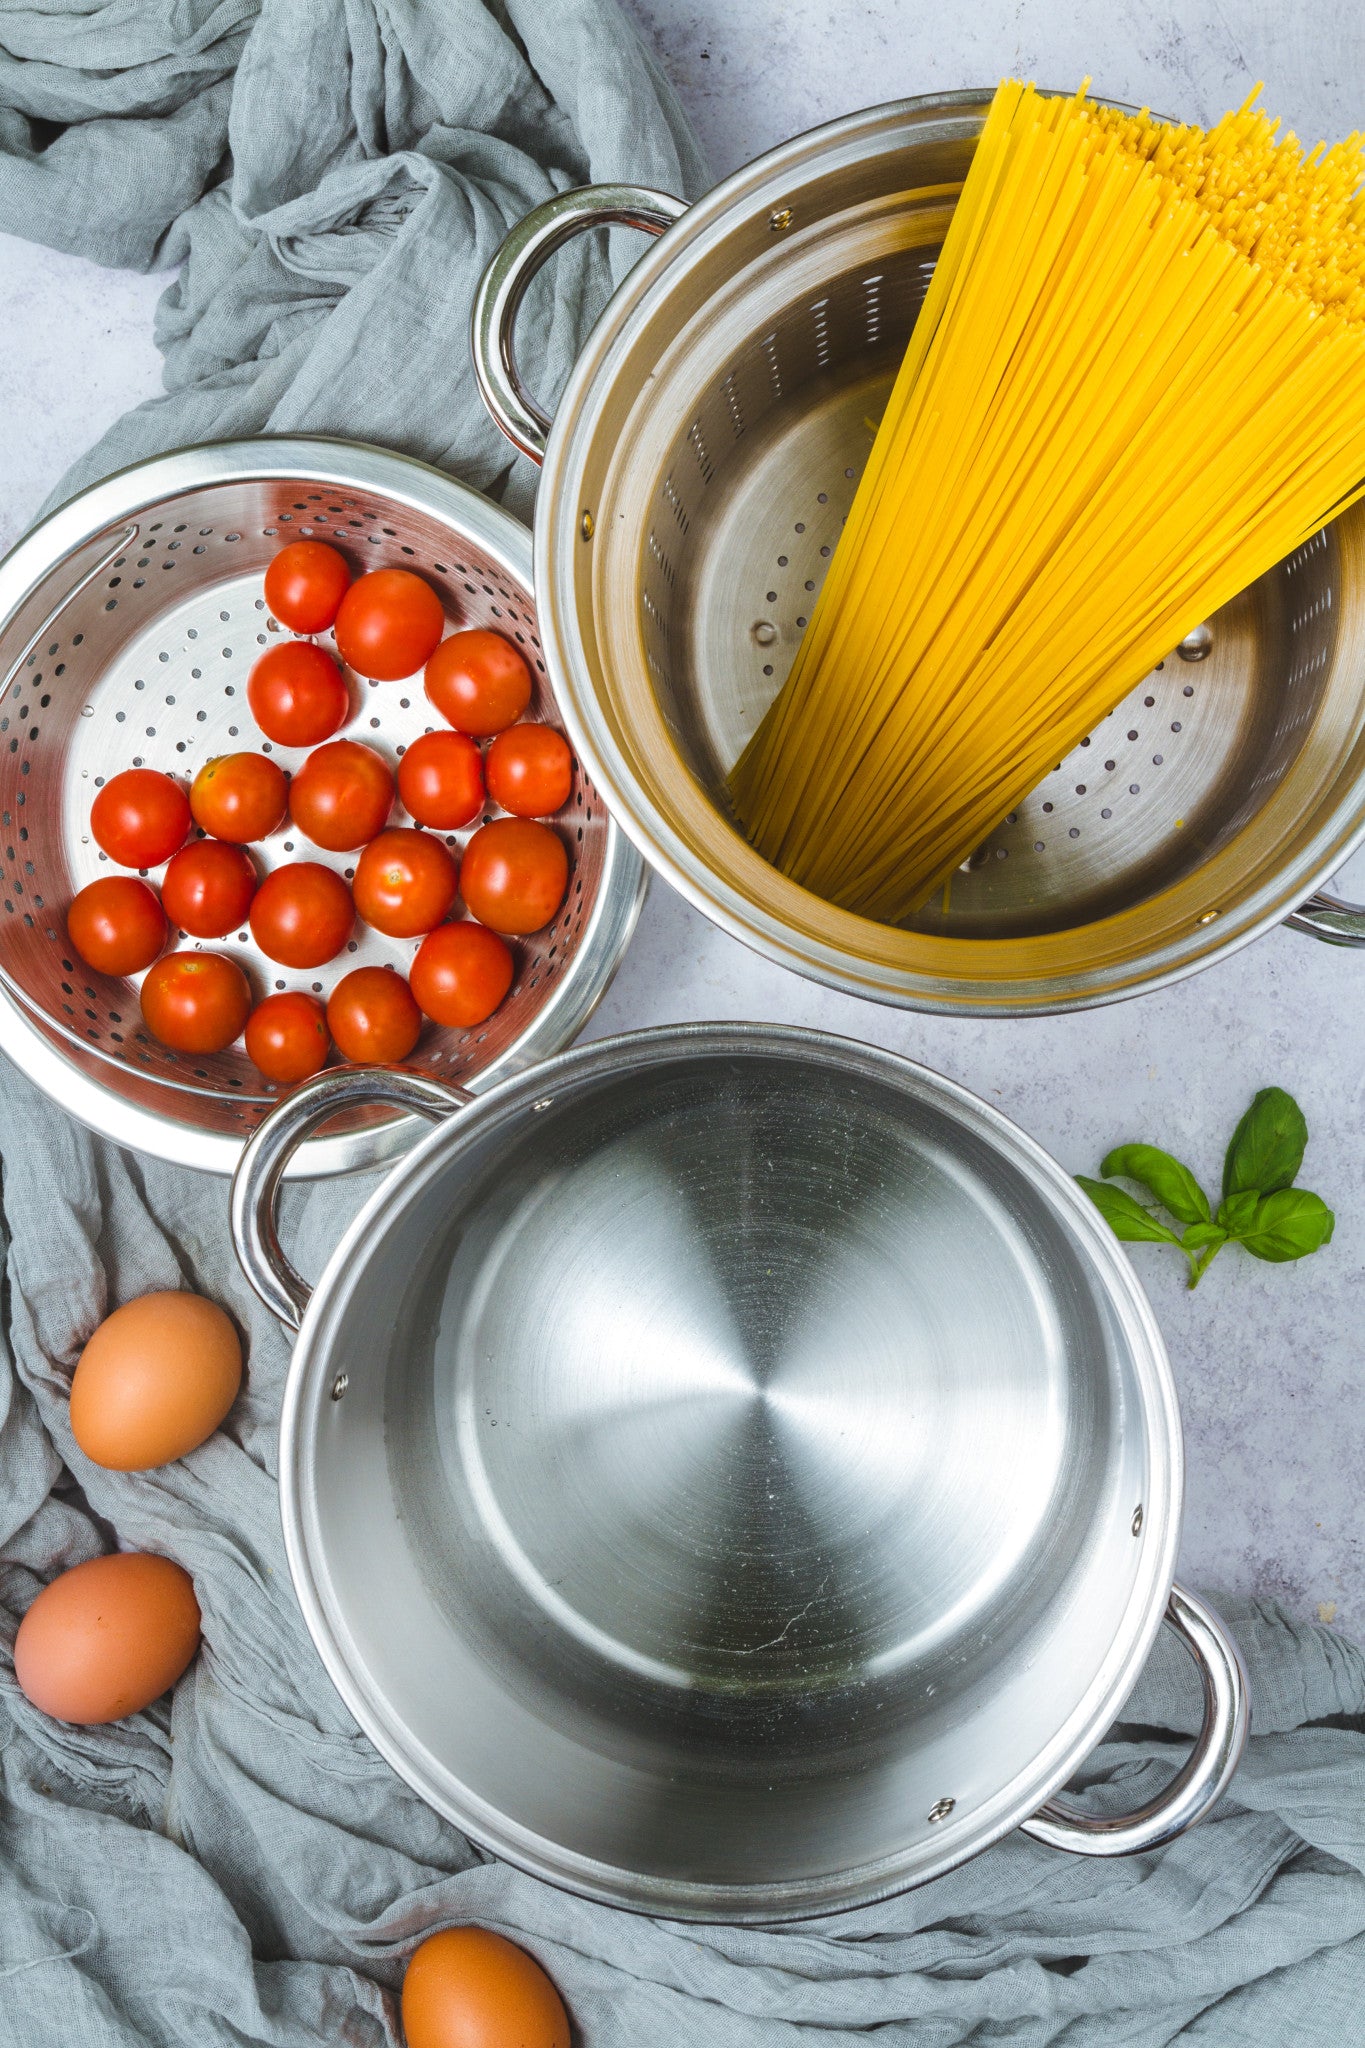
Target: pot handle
pixel 1200 1782
pixel 1327 917
pixel 502 287
pixel 256 1182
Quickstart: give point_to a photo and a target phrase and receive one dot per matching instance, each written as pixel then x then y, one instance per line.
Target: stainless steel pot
pixel 732 1472
pixel 704 455
pixel 129 620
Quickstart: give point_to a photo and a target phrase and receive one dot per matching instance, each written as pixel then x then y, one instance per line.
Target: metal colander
pixel 702 461
pixel 130 620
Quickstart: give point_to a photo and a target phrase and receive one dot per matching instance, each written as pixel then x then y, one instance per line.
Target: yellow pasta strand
pixel 1137 381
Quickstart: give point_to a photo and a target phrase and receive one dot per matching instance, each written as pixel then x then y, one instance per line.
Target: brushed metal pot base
pixel 710 1469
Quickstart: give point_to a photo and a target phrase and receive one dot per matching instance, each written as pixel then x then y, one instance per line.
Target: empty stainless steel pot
pixel 731 1471
pixel 704 454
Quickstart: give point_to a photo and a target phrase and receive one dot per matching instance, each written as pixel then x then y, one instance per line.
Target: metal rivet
pixel 587 526
pixel 1208 917
pixel 1196 645
pixel 544 1103
pixel 339 1385
pixel 941 1808
pixel 764 631
pixel 1137 1519
pixel 779 219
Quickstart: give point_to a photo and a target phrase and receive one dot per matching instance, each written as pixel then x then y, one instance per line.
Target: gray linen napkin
pixel 238 1865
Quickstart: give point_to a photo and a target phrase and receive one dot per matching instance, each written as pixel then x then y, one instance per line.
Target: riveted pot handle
pixel 503 285
pixel 256 1182
pixel 1327 917
pixel 1200 1782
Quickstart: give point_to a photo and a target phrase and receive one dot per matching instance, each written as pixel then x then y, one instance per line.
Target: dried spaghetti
pixel 1137 382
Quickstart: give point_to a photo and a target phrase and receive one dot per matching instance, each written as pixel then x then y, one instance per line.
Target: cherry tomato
pixel 197 1002
pixel 388 624
pixel 297 694
pixel 530 770
pixel 286 1037
pixel 440 779
pixel 239 797
pixel 461 973
pixel 304 585
pixel 478 682
pixel 208 887
pixel 372 1016
pixel 116 925
pixel 341 796
pixel 514 875
pixel 405 882
pixel 302 914
pixel 140 817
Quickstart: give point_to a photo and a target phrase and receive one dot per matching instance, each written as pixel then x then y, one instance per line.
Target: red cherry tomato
pixel 239 797
pixel 461 973
pixel 372 1016
pixel 297 694
pixel 286 1037
pixel 440 779
pixel 530 770
pixel 302 914
pixel 197 1002
pixel 116 925
pixel 208 887
pixel 341 796
pixel 140 818
pixel 388 624
pixel 478 682
pixel 405 882
pixel 514 875
pixel 304 585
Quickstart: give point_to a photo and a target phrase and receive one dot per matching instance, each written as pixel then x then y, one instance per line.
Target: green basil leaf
pixel 1236 1213
pixel 1288 1225
pixel 1174 1186
pixel 1126 1217
pixel 1267 1146
pixel 1200 1235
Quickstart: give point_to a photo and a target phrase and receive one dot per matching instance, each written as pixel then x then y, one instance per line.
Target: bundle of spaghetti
pixel 1136 383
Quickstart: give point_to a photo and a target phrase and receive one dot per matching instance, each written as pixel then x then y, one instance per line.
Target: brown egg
pixel 157 1378
pixel 468 1988
pixel 108 1637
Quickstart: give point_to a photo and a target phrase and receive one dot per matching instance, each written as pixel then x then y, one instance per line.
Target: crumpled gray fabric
pixel 237 1865
pixel 331 177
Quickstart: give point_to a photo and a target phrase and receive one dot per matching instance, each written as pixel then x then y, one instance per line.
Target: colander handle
pixel 1200 1782
pixel 1327 917
pixel 256 1182
pixel 502 287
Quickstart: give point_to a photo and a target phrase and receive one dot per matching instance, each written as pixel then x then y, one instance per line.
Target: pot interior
pixel 721 441
pixel 746 1467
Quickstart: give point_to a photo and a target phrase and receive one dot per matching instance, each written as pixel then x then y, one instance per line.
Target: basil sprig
pixel 1260 1209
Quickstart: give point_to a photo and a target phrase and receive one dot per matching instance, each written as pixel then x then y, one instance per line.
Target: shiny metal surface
pixel 1200 1783
pixel 128 622
pixel 712 434
pixel 502 287
pixel 731 1471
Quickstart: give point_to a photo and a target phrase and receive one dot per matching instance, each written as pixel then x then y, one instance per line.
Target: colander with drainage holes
pixel 696 479
pixel 129 620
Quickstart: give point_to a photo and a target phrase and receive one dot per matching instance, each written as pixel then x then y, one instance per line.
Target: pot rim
pixel 1237 920
pixel 966 1833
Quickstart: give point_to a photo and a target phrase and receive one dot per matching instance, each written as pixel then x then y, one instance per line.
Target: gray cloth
pixel 238 1865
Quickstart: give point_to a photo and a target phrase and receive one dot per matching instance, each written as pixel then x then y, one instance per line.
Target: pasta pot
pixel 696 478
pixel 732 1472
